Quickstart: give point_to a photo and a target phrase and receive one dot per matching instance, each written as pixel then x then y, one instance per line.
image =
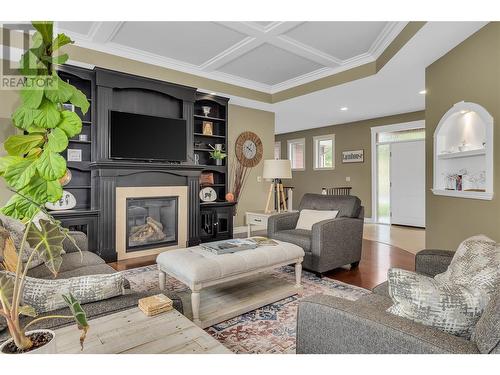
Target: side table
pixel 256 218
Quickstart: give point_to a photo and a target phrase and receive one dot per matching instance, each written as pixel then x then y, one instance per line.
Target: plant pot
pixel 218 162
pixel 49 348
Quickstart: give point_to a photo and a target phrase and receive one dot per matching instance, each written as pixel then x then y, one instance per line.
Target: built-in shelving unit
pixel 463 153
pixel 80 184
pixel 216 217
pixel 82 217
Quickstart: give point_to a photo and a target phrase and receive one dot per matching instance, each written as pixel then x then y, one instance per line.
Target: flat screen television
pixel 142 137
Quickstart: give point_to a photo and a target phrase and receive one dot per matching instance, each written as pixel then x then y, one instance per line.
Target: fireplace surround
pixel 150 220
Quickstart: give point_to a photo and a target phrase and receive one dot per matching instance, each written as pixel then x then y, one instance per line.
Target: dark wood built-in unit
pixel 96 177
pixel 216 217
pixel 84 216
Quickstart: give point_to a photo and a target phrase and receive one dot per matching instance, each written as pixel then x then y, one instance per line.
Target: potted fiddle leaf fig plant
pixel 32 170
pixel 217 154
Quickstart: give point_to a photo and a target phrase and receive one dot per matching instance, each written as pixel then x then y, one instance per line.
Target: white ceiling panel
pixel 263 23
pixel 343 40
pixel 80 27
pixel 268 56
pixel 270 65
pixel 189 42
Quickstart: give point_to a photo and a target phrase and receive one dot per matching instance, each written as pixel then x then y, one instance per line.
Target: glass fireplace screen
pixel 151 222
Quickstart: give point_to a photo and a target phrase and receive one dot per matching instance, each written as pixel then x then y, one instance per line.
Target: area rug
pixel 269 329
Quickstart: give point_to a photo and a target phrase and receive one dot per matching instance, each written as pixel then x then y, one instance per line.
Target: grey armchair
pixel 331 243
pixel 326 324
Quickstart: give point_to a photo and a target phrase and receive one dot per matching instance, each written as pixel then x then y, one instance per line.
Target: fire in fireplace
pixel 151 222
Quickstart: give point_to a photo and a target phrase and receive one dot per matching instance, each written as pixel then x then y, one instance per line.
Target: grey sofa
pixel 327 324
pixel 331 243
pixel 86 263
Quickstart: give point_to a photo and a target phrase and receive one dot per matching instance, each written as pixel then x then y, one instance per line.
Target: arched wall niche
pixel 463 153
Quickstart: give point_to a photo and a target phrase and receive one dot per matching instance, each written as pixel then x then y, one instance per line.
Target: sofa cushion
pixel 300 237
pixel 307 218
pixel 487 331
pixel 46 295
pixel 70 262
pixel 382 289
pixel 347 205
pixel 16 230
pixel 96 269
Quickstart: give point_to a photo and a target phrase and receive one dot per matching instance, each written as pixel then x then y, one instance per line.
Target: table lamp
pixel 275 170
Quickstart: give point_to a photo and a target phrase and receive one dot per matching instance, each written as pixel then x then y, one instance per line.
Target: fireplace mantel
pixel 107 176
pixel 184 169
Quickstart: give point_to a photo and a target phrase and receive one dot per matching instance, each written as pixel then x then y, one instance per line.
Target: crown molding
pixel 385 38
pixel 256 36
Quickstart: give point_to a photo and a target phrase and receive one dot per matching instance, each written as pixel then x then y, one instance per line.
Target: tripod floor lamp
pixel 276 170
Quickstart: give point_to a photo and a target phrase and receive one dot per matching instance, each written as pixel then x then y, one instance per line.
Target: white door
pixel 408 183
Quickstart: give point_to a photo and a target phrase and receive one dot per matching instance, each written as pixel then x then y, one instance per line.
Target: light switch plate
pixel 348 179
pixel 259 178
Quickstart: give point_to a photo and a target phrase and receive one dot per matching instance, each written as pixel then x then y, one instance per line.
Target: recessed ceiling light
pixel 422 92
pixel 344 108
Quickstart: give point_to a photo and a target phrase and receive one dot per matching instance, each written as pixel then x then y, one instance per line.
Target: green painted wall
pixel 470 72
pixel 350 136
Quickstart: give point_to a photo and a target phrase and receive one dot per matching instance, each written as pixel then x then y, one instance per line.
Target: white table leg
pixel 195 306
pixel 249 230
pixel 298 274
pixel 161 278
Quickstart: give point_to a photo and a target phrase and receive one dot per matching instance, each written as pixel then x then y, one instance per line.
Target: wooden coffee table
pixel 132 332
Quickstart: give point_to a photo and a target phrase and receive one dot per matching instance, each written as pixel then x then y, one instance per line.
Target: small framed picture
pixel 208 128
pixel 355 156
pixel 69 107
pixel 74 154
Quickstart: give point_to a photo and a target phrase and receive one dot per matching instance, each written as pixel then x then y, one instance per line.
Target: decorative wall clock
pixel 248 149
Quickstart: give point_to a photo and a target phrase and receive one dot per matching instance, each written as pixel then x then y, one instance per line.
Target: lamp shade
pixel 277 169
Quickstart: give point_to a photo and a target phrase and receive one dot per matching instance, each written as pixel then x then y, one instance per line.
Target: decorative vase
pixel 206 110
pixel 48 348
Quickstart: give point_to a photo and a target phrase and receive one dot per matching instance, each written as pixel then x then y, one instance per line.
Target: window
pixel 277 150
pixel 296 153
pixel 400 136
pixel 324 152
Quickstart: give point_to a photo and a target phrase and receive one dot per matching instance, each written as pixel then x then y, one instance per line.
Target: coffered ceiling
pixel 265 55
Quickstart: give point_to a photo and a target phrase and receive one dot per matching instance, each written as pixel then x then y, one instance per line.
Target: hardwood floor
pixel 376 260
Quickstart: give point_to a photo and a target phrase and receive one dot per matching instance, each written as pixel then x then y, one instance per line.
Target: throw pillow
pixel 451 308
pixel 454 300
pixel 16 231
pixel 487 331
pixel 308 218
pixel 46 295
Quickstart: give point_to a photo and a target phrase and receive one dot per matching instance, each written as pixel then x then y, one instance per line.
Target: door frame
pixel 382 129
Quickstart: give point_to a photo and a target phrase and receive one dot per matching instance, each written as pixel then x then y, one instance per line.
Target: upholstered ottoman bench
pixel 232 283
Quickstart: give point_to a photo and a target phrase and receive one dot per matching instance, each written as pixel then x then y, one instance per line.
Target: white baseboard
pixel 368 220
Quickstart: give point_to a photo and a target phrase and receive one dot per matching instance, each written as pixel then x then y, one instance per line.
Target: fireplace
pixel 150 220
